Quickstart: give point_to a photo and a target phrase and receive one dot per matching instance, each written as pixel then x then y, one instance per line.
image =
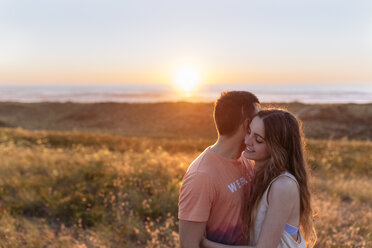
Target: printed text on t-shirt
pixel 237 184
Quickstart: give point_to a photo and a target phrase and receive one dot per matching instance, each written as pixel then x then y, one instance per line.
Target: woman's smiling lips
pixel 248 149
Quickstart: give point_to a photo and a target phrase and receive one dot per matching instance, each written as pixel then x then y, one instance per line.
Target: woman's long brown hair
pixel 285 144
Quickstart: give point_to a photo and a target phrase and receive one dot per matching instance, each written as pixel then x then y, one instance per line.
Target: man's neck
pixel 227 147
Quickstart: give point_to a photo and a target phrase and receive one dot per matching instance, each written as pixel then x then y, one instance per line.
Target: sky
pixel 117 42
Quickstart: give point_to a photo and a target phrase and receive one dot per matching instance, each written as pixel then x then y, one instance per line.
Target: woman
pixel 278 212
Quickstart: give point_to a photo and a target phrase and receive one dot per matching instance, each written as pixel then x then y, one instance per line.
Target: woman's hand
pixel 206 243
pixel 210 244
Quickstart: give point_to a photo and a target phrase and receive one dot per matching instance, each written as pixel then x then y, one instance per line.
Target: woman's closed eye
pixel 259 140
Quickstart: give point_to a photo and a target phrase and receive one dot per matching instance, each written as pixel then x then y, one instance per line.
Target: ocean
pixel 306 93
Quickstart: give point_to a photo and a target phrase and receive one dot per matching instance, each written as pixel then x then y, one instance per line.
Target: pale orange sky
pixel 145 42
pixel 61 75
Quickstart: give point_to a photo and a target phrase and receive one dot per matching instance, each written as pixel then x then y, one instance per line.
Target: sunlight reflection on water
pixel 307 93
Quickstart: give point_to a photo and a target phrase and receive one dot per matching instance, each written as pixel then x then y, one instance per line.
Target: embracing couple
pixel 249 189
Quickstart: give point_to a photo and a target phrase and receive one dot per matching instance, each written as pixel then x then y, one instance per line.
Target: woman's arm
pixel 283 196
pixel 210 244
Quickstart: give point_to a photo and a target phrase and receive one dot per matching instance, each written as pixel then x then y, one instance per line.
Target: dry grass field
pixel 76 189
pixel 108 174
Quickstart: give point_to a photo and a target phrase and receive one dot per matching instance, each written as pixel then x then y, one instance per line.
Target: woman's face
pixel 255 144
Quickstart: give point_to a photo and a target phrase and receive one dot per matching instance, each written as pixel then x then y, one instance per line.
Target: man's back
pixel 213 191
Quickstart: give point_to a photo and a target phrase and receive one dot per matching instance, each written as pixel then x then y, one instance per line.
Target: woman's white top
pixel 286 241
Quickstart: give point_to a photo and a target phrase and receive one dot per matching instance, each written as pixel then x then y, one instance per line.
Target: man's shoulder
pixel 203 163
pixel 245 160
pixel 247 163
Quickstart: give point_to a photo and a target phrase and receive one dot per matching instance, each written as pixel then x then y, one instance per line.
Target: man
pixel 211 195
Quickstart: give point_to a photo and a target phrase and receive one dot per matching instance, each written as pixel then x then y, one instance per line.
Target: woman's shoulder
pixel 285 183
pixel 284 187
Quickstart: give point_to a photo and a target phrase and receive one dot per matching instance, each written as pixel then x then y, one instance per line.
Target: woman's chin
pixel 247 155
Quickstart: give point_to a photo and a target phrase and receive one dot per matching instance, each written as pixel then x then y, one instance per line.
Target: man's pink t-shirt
pixel 212 191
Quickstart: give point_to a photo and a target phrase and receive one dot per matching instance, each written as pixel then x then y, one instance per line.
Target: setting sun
pixel 186 78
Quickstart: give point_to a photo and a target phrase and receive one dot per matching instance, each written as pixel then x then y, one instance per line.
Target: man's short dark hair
pixel 231 109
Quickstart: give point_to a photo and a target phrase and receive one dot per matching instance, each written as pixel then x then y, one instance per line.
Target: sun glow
pixel 186 78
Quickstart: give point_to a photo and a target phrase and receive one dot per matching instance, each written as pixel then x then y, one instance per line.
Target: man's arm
pixel 191 233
